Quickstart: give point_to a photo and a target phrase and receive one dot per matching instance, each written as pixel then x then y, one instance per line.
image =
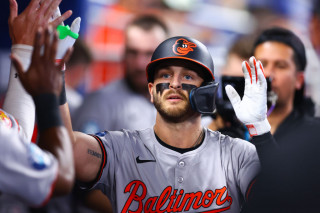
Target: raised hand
pixel 23 27
pixel 43 75
pixel 67 36
pixel 252 109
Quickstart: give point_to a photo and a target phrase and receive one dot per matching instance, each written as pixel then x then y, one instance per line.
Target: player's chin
pixel 176 109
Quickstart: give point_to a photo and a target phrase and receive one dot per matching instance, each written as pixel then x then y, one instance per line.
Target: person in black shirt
pixel 289 182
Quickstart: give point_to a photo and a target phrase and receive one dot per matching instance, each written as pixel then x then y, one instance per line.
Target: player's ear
pixel 299 80
pixel 150 87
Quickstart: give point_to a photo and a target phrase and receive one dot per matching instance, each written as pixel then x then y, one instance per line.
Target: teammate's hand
pixel 252 109
pixel 23 27
pixel 43 75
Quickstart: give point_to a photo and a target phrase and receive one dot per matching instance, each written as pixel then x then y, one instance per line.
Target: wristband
pixel 47 111
pixel 258 128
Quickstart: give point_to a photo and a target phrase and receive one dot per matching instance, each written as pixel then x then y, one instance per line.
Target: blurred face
pixel 278 63
pixel 170 92
pixel 140 45
pixel 233 66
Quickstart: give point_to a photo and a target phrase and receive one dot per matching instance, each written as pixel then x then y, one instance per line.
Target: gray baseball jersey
pixel 114 107
pixel 26 171
pixel 141 175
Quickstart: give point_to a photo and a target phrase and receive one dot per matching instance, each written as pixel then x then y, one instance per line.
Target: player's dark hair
pixel 287 37
pixel 81 54
pixel 242 47
pixel 147 22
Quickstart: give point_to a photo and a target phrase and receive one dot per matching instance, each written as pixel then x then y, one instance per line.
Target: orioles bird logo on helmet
pixel 183 46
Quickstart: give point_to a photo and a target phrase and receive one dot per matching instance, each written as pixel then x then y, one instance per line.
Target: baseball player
pixel 30 172
pixel 177 165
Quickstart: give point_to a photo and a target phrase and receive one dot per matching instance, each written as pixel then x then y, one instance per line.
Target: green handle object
pixel 65 31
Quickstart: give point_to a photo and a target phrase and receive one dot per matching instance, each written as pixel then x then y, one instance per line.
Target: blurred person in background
pixel 125 103
pixel 289 181
pixel 283 56
pixel 78 66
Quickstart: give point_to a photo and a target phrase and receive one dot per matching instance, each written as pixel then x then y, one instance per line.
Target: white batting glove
pixel 252 109
pixel 66 40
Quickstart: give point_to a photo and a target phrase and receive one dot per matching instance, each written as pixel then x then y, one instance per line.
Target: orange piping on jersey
pixel 104 157
pixel 249 188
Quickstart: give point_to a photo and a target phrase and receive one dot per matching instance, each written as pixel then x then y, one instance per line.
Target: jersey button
pixel 181 163
pixel 180 179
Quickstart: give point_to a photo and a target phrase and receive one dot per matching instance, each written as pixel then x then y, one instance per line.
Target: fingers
pixel 250 70
pixel 253 65
pixel 54 46
pixel 246 72
pixel 51 9
pixel 261 77
pixel 75 26
pixel 56 13
pixel 47 42
pixel 32 7
pixel 13 10
pixel 37 45
pixel 44 6
pixel 261 67
pixel 233 96
pixel 59 20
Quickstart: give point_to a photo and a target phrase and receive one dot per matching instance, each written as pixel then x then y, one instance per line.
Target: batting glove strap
pixel 258 128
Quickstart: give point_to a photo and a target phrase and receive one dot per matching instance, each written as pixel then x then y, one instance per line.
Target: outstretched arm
pixel 252 109
pixel 43 82
pixel 86 148
pixel 22 30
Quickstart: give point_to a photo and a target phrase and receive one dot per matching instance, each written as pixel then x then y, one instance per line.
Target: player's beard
pixel 177 113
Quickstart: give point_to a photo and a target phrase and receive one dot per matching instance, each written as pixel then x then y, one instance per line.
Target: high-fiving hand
pixel 66 41
pixel 252 109
pixel 43 75
pixel 23 27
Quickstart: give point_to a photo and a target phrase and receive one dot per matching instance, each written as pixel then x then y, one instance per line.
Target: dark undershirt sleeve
pixel 267 148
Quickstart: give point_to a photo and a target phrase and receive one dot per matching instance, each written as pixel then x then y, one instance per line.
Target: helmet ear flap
pixel 202 98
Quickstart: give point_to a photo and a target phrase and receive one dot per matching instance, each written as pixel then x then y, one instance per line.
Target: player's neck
pixel 180 135
pixel 278 115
